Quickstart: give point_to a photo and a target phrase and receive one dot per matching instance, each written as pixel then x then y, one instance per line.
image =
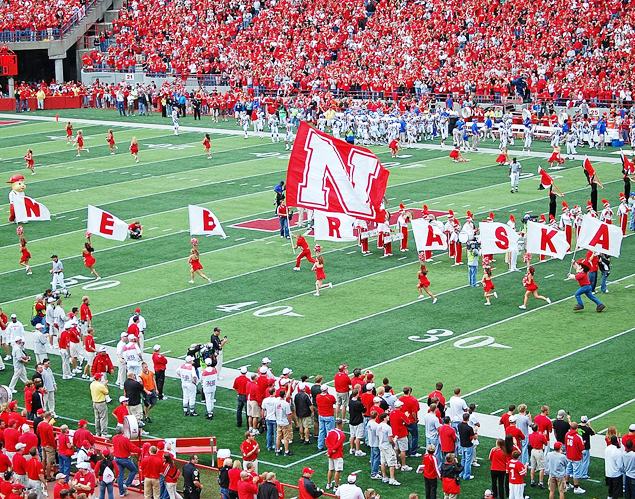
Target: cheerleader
pixel 394 147
pixel 29 161
pixel 503 157
pixel 110 138
pixel 424 284
pixel 134 149
pixel 89 259
pixel 26 256
pixel 79 142
pixel 207 145
pixel 318 268
pixel 195 266
pixel 555 157
pixel 531 288
pixel 488 285
pixel 69 133
pixel 456 155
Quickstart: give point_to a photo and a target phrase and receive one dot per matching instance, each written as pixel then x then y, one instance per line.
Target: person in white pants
pixel 514 174
pixel 65 350
pixel 209 377
pixel 187 373
pixel 20 358
pixel 122 372
pixel 58 275
pixel 50 385
pixel 40 340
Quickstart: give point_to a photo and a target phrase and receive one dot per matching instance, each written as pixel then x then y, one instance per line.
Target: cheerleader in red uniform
pixel 29 161
pixel 69 132
pixel 456 155
pixel 89 259
pixel 532 288
pixel 207 145
pixel 503 157
pixel 555 157
pixel 195 266
pixel 110 138
pixel 26 256
pixel 488 285
pixel 424 283
pixel 79 142
pixel 318 268
pixel 134 149
pixel 394 147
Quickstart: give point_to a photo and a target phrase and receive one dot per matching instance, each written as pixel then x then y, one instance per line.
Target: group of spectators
pixel 37 20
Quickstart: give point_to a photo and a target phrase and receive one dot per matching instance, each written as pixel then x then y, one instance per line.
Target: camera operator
pixel 473 252
pixel 195 352
pixel 218 344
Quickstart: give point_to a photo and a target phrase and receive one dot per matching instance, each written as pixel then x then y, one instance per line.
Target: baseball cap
pixel 60 476
pixel 189 358
pixel 308 470
pixel 52 300
pixel 156 347
pixel 98 376
pixel 262 369
pixel 341 368
pixel 301 386
pixel 71 315
pixel 284 381
pixel 17 486
pixel 130 336
pixel 557 445
pixel 370 386
pixel 85 443
pixel 217 329
pixel 266 360
pixel 124 334
pixel 352 478
pixel 286 371
pixel 82 422
pixel 399 403
pixel 584 419
pixel 40 411
pixel 324 388
pixel 25 428
pixel 102 349
pixel 19 339
pixel 377 399
pixel 13 404
pixel 561 414
pixel 39 326
pixel 19 446
pixel 13 316
pixel 105 452
pixel 123 399
pixel 83 466
pixel 631 427
pixel 512 419
pixel 488 493
pixel 208 361
pixel 137 310
pixel 243 370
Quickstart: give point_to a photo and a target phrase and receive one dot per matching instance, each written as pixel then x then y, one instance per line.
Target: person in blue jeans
pixel 373 443
pixel 604 266
pixel 123 449
pixel 325 402
pixel 582 276
pixel 466 437
pixel 472 266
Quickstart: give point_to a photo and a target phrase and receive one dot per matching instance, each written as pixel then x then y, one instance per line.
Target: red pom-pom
pixel 20 230
pixel 422 257
pixel 194 241
pixel 527 257
pixel 87 235
pixel 317 248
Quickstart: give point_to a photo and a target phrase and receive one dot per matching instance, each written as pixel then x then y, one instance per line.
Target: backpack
pixel 107 475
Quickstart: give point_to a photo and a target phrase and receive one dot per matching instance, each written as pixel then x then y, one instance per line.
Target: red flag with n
pixel 628 165
pixel 588 167
pixel 545 179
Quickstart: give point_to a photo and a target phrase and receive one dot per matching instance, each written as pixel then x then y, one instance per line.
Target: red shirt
pixel 240 384
pixel 133 329
pixel 430 466
pixel 123 447
pixel 87 479
pixel 627 437
pixel 399 423
pixel 438 395
pixel 537 440
pixel 89 343
pixel 574 445
pixel 246 447
pixel 447 436
pixel 82 434
pixel 247 489
pixel 84 312
pixel 504 420
pixel 19 464
pixel 253 392
pixel 160 362
pixel 34 468
pixel 302 243
pixel 63 441
pixel 5 462
pixel 325 402
pixel 498 459
pixel 583 279
pixel 58 488
pixel 367 399
pixel 45 432
pixel 410 407
pixel 334 442
pixel 342 382
pixel 152 466
pixel 518 435
pixel 30 440
pixel 234 478
pixel 11 436
pixel 544 424
pixel 516 471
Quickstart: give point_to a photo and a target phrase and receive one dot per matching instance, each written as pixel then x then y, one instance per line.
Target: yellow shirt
pixel 98 391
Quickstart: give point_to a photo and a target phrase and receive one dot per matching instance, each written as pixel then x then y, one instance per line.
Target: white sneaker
pixel 351 452
pixel 297 269
pixel 495 294
pixel 420 297
pixel 316 294
pixel 191 282
pixel 579 490
pixel 487 304
pixel 85 376
pixel 522 307
pixel 392 481
pixel 331 285
pixel 476 465
pixel 549 301
pixel 406 468
pixel 360 453
pixel 435 300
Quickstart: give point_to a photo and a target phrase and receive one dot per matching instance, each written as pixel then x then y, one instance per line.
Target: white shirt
pixel 50 314
pixel 120 347
pixel 131 354
pixel 14 330
pixel 384 432
pixel 457 408
pixel 373 439
pixel 59 317
pixel 269 406
pixel 349 491
pixel 187 373
pixel 283 408
pixel 431 422
pixel 40 340
pixel 613 463
pixel 141 324
pixel 18 354
pixel 209 376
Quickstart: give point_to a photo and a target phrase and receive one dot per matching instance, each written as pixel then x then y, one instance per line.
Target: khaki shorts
pixel 336 464
pixel 402 443
pixel 537 459
pixel 48 455
pixel 253 409
pixel 341 399
pixel 558 484
pixel 388 457
pixel 305 422
pixel 285 432
pixel 77 350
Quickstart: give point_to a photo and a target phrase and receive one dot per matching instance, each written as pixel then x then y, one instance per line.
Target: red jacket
pixel 102 364
pixel 247 489
pixel 123 447
pixel 430 466
pixel 151 466
pixel 335 443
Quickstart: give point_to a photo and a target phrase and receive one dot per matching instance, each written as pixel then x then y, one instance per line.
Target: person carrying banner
pixel 582 270
pixel 424 283
pixel 283 217
pixel 196 267
pixel 306 252
pixel 87 254
pixel 318 268
pixel 622 211
pixel 566 223
pixel 531 288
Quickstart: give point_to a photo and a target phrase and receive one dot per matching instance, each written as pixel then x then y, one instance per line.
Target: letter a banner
pixel 333 227
pixel 600 237
pixel 27 210
pixel 331 175
pixel 428 237
pixel 101 223
pixel 545 240
pixel 204 222
pixel 497 238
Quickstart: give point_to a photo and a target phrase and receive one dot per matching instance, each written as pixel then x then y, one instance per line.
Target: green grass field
pixel 371 318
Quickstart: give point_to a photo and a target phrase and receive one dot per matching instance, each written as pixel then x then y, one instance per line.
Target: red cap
pixel 15 178
pixel 13 404
pixel 557 445
pixel 82 422
pixel 342 367
pixel 308 470
pixel 85 443
pixel 160 445
pixel 105 452
pixel 17 486
pixel 137 310
pixel 98 376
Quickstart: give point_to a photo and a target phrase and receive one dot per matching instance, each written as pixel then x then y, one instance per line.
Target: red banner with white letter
pixel 545 240
pixel 101 223
pixel 333 227
pixel 204 222
pixel 27 210
pixel 331 175
pixel 497 238
pixel 600 236
pixel 428 237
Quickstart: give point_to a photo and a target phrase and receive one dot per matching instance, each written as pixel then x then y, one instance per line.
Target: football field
pixel 371 318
